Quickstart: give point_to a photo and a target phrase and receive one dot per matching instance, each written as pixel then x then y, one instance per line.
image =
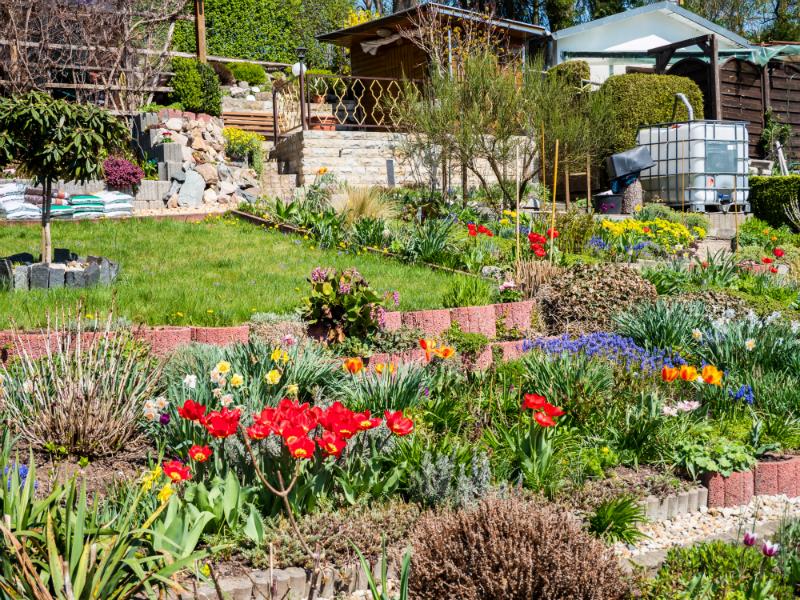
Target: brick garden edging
pixel 767 478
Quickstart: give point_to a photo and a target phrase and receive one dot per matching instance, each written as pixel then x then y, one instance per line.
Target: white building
pixel 619 43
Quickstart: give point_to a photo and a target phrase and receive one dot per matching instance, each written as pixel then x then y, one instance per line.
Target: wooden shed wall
pixel 396 61
pixel 741 94
pixel 784 97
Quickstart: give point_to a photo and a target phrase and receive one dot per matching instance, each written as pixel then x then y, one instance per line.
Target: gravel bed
pixel 712 523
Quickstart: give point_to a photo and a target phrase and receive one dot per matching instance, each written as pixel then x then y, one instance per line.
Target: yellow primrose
pixel 505 222
pixel 223 367
pixel 237 380
pixel 273 377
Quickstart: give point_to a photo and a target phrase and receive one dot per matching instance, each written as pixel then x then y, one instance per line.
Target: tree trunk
pixel 47 244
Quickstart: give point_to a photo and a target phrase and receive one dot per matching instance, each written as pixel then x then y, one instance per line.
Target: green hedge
pixel 269 30
pixel 196 87
pixel 576 71
pixel 769 196
pixel 640 99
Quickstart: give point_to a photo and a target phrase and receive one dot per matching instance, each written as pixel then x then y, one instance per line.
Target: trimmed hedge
pixel 196 87
pixel 575 71
pixel 251 73
pixel 640 99
pixel 769 196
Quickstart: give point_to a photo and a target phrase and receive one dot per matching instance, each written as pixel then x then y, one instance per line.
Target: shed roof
pixel 667 7
pixel 516 30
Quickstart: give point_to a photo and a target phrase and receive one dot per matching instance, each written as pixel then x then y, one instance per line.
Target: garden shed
pixel 385 47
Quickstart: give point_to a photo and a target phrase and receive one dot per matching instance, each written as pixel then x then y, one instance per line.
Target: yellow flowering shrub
pixel 244 145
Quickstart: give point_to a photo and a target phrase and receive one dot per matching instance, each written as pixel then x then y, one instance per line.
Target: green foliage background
pixel 640 99
pixel 769 196
pixel 269 30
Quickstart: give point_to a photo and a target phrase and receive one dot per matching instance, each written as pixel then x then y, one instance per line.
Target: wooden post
pixel 553 217
pixel 276 133
pixel 516 212
pixel 588 184
pixel 200 29
pixel 716 97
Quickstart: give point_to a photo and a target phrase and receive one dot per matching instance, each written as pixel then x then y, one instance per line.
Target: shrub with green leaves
pixel 574 71
pixel 720 455
pixel 642 99
pixel 250 72
pixel 342 304
pixel 196 86
pixel 769 196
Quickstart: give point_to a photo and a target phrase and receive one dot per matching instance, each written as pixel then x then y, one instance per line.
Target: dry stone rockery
pixel 189 149
pixel 20 272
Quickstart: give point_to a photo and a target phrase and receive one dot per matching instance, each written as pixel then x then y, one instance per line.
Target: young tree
pixel 52 139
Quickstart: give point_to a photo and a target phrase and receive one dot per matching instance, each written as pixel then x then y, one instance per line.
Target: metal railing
pixel 316 101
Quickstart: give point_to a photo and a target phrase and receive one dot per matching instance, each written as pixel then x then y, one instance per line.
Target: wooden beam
pixel 200 29
pixel 716 96
pixel 665 53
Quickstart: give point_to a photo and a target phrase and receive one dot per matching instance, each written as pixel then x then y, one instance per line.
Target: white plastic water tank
pixel 699 165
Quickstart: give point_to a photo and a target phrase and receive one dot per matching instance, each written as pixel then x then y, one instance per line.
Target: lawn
pixel 213 273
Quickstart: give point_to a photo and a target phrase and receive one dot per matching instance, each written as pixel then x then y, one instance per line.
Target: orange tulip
pixel 688 373
pixel 712 375
pixel 669 374
pixel 381 367
pixel 428 346
pixel 445 352
pixel 353 365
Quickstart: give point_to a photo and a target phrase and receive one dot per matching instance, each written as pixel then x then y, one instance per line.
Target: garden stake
pixel 588 184
pixel 216 583
pixel 516 212
pixel 553 217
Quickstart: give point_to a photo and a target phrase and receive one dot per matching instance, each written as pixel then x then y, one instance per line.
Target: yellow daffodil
pixel 150 478
pixel 276 355
pixel 223 367
pixel 237 380
pixel 165 493
pixel 505 222
pixel 273 377
pixel 292 390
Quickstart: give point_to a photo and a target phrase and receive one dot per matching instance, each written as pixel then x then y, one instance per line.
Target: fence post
pixel 301 55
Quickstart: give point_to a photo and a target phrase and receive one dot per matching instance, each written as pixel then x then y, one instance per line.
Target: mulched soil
pixel 99 474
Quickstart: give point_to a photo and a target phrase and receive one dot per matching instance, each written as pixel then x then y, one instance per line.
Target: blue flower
pixel 22 473
pixel 744 394
pixel 598 243
pixel 619 350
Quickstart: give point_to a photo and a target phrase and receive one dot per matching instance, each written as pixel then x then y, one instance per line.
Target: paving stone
pixel 237 588
pixel 297 583
pixel 683 503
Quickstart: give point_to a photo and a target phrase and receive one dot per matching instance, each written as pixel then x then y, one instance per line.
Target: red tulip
pixel 331 444
pixel 199 453
pixel 292 434
pixel 778 253
pixel 177 471
pixel 534 401
pixel 258 431
pixel 303 448
pixel 552 233
pixel 766 260
pixel 544 419
pixel 191 410
pixel 539 250
pixel 773 269
pixel 365 422
pixel 222 424
pixel 397 423
pixel 553 411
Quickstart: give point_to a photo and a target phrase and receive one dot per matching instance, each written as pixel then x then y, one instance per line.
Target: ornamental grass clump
pixel 85 394
pixel 512 549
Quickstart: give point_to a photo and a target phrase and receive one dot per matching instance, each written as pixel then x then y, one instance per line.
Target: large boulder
pixel 174 124
pixel 208 172
pixel 191 193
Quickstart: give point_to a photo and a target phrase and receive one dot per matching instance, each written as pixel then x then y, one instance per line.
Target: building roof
pixel 665 7
pixel 369 30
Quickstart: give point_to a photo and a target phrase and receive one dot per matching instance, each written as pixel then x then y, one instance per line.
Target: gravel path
pixel 763 513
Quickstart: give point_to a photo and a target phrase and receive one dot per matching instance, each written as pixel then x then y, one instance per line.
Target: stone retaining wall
pixel 360 158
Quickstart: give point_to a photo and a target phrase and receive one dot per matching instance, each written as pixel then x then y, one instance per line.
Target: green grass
pixel 213 273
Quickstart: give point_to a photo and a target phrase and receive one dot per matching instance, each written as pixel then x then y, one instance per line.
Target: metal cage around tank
pixel 700 166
